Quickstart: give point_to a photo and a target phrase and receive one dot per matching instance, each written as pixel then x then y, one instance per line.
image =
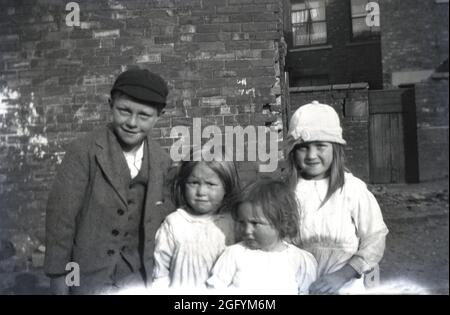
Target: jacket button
pixel 115 232
pixel 120 212
pixel 110 252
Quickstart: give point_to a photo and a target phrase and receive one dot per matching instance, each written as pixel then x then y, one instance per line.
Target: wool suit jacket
pixel 89 200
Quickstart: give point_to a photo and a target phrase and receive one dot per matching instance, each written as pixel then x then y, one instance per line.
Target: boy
pixel 107 200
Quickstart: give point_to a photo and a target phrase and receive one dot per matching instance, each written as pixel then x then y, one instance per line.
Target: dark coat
pixel 89 200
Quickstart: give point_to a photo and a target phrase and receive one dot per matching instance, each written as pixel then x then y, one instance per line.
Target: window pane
pixel 360 27
pixel 359 7
pixel 318 14
pixel 298 6
pixel 308 22
pixel 299 17
pixel 301 36
pixel 376 30
pixel 314 4
pixel 319 33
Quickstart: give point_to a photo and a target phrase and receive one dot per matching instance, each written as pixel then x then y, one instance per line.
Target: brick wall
pixel 217 56
pixel 351 104
pixel 415 38
pixel 414 35
pixel 432 128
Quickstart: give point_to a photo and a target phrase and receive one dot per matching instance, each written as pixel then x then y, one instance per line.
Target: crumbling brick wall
pixel 219 58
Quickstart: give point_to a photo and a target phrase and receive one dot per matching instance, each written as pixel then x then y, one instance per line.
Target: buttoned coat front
pixel 89 200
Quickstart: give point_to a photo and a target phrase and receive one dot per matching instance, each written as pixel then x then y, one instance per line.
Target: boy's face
pixel 132 121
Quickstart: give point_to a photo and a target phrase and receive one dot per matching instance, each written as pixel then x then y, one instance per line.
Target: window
pixel 309 26
pixel 365 19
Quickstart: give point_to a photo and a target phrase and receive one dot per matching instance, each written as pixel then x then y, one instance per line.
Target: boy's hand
pixel 331 283
pixel 58 286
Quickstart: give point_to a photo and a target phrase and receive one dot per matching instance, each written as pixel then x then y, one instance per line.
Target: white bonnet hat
pixel 314 122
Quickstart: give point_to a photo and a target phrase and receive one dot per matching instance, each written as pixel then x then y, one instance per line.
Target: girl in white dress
pixel 340 220
pixel 191 239
pixel 264 262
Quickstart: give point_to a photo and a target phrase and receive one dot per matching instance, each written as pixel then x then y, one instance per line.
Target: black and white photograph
pixel 226 148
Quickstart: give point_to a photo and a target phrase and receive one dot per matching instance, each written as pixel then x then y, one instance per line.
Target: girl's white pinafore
pixel 348 228
pixel 187 246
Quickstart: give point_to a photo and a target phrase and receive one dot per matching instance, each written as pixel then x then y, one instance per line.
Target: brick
pixel 237 45
pixel 211 46
pixel 88 43
pixel 259 27
pixel 212 101
pixel 207 92
pixel 208 28
pixel 106 34
pixel 191 20
pixel 206 37
pixel 188 29
pixel 217 19
pixel 264 17
pixel 240 18
pixel 240 36
pixel 234 2
pixel 248 54
pixel 149 58
pixel 265 36
pixel 237 64
pixel 225 74
pixel 95 61
pixel 95 80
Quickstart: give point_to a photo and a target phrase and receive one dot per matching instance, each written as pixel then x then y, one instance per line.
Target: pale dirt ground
pixel 416 259
pixel 417 246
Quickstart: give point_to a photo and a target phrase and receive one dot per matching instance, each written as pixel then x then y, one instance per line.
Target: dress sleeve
pixel 223 271
pixel 164 250
pixel 65 202
pixel 307 273
pixel 371 231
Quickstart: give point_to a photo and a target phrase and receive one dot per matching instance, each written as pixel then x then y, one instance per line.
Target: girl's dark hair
pixel 277 202
pixel 336 172
pixel 225 169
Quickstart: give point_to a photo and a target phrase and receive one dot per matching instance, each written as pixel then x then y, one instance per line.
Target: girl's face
pixel 257 232
pixel 314 159
pixel 204 190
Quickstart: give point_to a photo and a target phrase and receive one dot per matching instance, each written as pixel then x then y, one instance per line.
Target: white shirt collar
pixel 134 159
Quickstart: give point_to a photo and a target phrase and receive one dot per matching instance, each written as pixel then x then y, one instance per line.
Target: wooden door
pixel 391 131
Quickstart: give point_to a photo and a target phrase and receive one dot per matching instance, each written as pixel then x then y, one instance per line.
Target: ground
pixel 417 245
pixel 416 258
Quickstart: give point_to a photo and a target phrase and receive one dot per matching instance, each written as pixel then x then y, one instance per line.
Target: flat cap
pixel 142 85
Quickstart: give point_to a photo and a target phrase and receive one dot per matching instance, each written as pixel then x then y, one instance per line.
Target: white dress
pixel 187 246
pixel 241 270
pixel 349 228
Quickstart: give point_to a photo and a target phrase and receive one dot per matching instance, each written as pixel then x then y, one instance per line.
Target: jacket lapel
pixel 113 164
pixel 155 184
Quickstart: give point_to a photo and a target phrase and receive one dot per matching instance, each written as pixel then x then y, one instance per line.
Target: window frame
pixel 308 23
